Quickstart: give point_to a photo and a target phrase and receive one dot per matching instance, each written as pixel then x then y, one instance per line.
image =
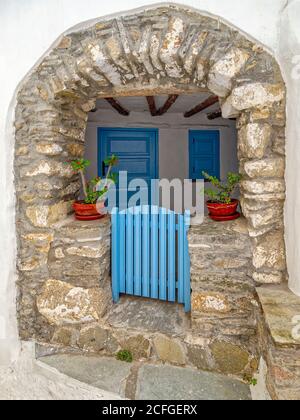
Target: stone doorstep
pixel 195 352
pixel 149 316
pixel 153 331
pixel 148 381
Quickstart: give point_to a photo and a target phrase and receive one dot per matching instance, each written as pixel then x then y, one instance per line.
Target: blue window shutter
pixel 204 153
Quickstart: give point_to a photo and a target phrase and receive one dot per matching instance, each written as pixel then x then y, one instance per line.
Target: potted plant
pixel 90 207
pixel 221 205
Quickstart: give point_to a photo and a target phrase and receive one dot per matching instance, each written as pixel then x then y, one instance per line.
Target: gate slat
pixel 187 265
pixel 122 248
pixel 181 259
pixel 115 256
pixel 145 251
pixel 171 256
pixel 154 252
pixel 129 252
pixel 137 252
pixel 163 254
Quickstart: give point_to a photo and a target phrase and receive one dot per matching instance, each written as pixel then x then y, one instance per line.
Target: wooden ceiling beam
pixel 167 105
pixel 117 106
pixel 152 105
pixel 214 115
pixel 201 107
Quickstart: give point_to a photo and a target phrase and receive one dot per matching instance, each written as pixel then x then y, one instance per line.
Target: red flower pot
pixel 87 211
pixel 222 209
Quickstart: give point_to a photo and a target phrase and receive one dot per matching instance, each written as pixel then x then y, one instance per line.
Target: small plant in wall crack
pixel 250 380
pixel 125 356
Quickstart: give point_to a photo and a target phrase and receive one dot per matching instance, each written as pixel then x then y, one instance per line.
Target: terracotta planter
pixel 222 209
pixel 87 211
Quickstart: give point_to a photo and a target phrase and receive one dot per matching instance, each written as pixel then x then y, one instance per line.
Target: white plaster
pixel 289 55
pixel 28 28
pixel 28 379
pixel 259 392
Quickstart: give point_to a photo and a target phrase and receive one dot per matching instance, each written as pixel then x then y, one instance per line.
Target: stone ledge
pixel 209 228
pixel 281 310
pixel 72 223
pixel 82 231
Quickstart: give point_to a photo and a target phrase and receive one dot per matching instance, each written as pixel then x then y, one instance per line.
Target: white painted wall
pixel 289 57
pixel 173 139
pixel 28 28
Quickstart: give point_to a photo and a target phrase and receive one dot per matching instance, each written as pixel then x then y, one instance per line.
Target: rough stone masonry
pixel 219 336
pixel 161 50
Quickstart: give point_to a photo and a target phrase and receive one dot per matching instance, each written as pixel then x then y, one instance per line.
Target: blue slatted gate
pixel 150 256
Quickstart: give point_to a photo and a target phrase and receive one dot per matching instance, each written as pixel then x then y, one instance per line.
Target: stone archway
pixel 162 50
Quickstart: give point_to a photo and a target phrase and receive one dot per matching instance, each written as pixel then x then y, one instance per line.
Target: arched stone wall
pixel 162 50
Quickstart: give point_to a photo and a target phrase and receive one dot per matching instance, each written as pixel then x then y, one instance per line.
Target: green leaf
pixel 222 192
pixel 80 164
pixel 111 161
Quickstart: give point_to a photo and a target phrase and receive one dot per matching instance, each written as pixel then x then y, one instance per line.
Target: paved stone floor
pixel 28 379
pixel 148 381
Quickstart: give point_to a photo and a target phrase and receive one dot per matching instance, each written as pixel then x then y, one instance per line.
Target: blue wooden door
pixel 204 153
pixel 150 255
pixel 137 150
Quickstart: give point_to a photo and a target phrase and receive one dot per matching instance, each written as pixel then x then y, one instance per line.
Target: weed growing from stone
pixel 125 356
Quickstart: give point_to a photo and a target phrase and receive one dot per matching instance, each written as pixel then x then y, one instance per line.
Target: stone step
pixel 159 331
pixel 148 381
pixel 149 316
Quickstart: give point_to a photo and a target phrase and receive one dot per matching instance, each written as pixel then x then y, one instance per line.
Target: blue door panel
pixel 204 164
pixel 203 146
pixel 204 153
pixel 135 167
pixel 137 150
pixel 121 147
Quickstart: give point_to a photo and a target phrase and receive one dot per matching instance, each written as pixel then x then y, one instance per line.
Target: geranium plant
pixel 221 206
pixel 96 187
pixel 222 191
pixel 92 207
